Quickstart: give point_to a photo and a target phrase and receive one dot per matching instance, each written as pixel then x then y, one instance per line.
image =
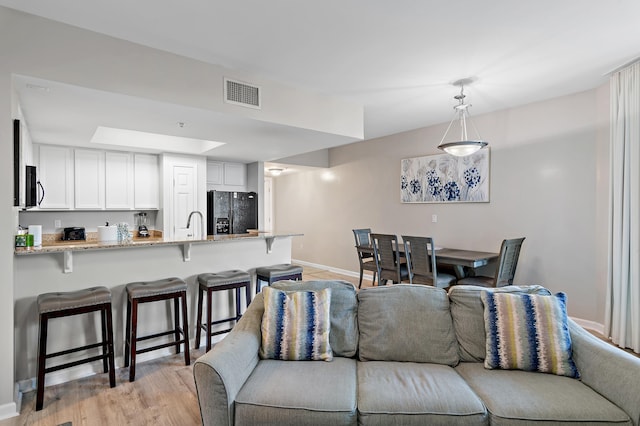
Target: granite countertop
pixel 58 246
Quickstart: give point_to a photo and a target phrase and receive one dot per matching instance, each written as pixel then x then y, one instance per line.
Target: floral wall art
pixel 445 178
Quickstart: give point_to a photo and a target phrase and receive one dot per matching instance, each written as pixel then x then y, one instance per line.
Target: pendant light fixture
pixel 464 146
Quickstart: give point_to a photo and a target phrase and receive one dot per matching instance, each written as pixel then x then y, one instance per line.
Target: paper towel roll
pixel 107 233
pixel 36 231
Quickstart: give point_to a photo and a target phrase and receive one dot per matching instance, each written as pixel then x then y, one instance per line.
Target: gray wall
pixel 549 174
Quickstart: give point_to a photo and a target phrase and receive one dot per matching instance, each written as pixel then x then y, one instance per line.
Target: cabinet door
pixel 118 180
pixel 235 174
pixel 55 173
pixel 215 172
pixel 89 179
pixel 146 181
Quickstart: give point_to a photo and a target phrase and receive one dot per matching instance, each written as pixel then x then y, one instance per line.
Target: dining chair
pixel 506 269
pixel 421 263
pixel 391 266
pixel 367 263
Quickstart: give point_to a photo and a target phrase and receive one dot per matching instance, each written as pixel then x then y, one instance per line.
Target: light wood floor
pixel 164 392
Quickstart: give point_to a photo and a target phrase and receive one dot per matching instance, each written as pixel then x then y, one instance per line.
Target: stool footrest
pixel 70 351
pixel 74 363
pixel 163 345
pixel 220 322
pixel 164 333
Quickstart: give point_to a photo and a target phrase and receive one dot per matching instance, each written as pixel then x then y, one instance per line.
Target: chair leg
pixel 185 329
pixel 361 273
pixel 105 343
pixel 133 339
pixel 127 339
pixel 237 304
pixel 248 294
pixel 42 352
pixel 112 363
pixel 199 325
pixel 176 323
pixel 209 319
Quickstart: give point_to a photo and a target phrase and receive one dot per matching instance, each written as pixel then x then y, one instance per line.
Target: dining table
pixel 463 262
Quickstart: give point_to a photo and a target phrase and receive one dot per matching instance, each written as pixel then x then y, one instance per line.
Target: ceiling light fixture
pixel 275 171
pixel 464 146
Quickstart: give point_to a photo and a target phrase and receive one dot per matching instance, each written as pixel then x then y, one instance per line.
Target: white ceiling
pixel 396 58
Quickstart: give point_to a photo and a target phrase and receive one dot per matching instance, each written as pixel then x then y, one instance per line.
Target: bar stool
pixel 153 291
pixel 273 273
pixel 210 282
pixel 57 305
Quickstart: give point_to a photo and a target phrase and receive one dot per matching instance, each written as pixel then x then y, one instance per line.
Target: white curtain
pixel 622 320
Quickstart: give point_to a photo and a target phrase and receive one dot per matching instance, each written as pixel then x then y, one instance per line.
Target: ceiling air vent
pixel 243 94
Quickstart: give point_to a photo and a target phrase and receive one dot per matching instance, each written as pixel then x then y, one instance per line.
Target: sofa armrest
pixel 220 373
pixel 608 370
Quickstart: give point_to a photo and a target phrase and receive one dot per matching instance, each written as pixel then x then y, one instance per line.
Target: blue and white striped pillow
pixel 296 325
pixel 528 332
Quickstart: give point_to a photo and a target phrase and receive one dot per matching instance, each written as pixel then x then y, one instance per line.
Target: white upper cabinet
pixel 215 172
pixel 147 181
pixel 89 179
pixel 92 179
pixel 223 176
pixel 119 180
pixel 55 173
pixel 235 174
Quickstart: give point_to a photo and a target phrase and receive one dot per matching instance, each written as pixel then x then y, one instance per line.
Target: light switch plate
pixel 434 218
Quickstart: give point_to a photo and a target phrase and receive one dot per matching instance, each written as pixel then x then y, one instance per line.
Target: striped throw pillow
pixel 296 325
pixel 528 332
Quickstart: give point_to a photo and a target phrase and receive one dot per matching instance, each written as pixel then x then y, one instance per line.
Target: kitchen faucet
pixel 203 231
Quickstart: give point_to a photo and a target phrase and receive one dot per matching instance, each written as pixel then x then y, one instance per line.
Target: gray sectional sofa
pixel 408 355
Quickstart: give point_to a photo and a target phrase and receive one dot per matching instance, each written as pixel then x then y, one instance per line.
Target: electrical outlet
pixel 57 223
pixel 434 218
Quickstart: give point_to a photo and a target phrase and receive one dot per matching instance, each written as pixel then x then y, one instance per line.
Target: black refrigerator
pixel 231 212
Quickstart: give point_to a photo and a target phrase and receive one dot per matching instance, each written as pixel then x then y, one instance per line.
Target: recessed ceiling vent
pixel 243 94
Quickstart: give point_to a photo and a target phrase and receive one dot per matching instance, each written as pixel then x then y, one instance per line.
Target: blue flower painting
pixel 444 178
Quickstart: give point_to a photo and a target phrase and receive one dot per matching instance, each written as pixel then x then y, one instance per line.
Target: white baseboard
pixel 590 325
pixel 8 410
pixel 332 269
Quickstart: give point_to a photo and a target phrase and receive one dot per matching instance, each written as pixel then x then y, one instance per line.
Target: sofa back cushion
pixel 467 311
pixel 343 334
pixel 403 322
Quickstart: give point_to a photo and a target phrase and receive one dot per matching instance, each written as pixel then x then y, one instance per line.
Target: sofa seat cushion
pixel 522 397
pixel 407 393
pixel 408 323
pixel 299 393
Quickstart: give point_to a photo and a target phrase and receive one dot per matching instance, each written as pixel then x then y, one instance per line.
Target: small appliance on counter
pixel 143 230
pixel 107 233
pixel 74 233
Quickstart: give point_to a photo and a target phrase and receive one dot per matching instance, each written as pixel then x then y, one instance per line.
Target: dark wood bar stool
pixel 211 282
pixel 273 273
pixel 57 305
pixel 153 291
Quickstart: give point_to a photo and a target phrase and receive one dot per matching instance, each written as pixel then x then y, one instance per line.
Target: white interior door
pixel 184 202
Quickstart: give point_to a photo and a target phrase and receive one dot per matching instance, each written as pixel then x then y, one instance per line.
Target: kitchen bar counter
pixel 69 247
pixel 61 246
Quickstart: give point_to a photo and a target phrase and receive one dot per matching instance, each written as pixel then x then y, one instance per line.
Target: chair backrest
pixel 508 261
pixel 385 253
pixel 421 259
pixel 362 239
